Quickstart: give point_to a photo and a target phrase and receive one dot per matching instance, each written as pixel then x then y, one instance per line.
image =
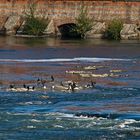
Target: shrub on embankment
pixel 83 23
pixel 34 25
pixel 114 29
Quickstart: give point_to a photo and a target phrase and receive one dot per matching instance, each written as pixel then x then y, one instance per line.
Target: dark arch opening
pixel 66 31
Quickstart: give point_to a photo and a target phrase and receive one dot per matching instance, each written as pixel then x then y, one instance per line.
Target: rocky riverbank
pixel 129 31
pixel 13 25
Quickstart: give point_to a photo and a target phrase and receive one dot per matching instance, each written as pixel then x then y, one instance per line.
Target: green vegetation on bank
pixel 34 25
pixel 83 23
pixel 114 28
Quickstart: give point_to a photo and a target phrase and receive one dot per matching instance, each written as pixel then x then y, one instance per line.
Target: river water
pixel 110 111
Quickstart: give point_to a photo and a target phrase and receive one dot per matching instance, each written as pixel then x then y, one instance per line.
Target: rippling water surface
pixel 111 110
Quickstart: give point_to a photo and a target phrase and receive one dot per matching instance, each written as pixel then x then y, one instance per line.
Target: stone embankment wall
pixel 64 11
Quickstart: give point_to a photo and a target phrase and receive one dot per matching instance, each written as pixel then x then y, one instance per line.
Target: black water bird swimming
pixel 30 88
pixel 52 78
pixel 41 82
pixel 38 81
pixel 12 86
pixel 91 85
pixel 72 86
pixel 24 86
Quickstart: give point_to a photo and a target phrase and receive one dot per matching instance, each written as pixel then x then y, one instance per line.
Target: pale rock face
pixel 138 30
pixel 97 31
pixel 12 24
pixel 3 19
pixel 129 31
pixel 50 30
pixel 98 27
pixel 21 28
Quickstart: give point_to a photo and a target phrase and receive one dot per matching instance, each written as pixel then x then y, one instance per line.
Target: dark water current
pixel 110 111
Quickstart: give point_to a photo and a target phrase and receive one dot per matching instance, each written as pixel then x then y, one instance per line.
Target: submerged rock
pixel 93 67
pixel 117 71
pixel 100 75
pixel 78 72
pixel 90 68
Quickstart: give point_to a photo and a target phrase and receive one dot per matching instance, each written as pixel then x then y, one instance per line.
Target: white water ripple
pixel 81 59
